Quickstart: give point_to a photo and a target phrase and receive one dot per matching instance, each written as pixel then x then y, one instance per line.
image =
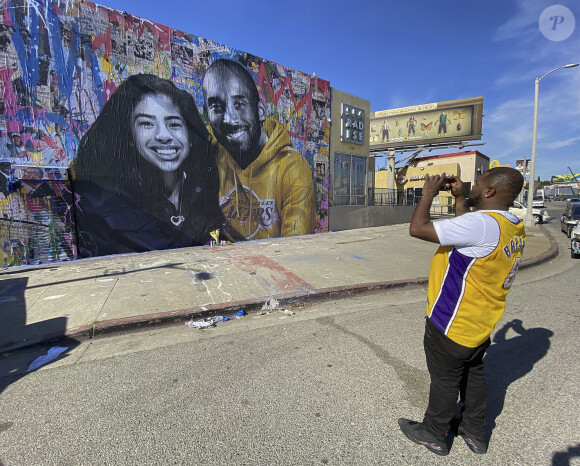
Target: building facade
pixel 409 180
pixel 349 149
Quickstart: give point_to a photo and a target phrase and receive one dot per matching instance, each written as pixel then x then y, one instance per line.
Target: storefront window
pixel 414 195
pixel 358 180
pixel 349 179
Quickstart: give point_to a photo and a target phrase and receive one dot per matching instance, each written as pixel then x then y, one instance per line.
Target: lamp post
pixel 529 219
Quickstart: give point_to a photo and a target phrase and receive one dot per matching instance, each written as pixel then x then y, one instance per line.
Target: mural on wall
pixel 33 223
pixel 168 136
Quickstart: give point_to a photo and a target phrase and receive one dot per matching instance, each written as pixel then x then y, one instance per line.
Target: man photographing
pixel 266 187
pixel 470 276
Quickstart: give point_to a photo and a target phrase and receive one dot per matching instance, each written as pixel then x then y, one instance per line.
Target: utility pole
pixel 391 170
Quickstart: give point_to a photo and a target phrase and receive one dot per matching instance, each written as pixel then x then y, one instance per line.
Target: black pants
pixel 454 369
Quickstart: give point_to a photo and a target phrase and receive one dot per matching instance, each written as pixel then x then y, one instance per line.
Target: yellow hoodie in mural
pixel 273 196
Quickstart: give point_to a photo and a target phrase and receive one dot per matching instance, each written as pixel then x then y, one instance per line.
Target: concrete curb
pixel 144 322
pixel 171 317
pixel 550 254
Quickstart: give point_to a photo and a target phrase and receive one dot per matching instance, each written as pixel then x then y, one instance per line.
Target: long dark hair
pixel 108 157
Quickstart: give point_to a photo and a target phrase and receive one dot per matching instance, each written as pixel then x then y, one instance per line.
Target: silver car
pixel 570 218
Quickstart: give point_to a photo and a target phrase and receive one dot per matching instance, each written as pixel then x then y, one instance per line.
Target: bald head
pixel 224 70
pixel 508 182
pixel 496 189
pixel 234 110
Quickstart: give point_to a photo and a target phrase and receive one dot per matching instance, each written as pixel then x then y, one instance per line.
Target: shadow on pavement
pixel 562 458
pixel 112 272
pixel 509 359
pixel 17 348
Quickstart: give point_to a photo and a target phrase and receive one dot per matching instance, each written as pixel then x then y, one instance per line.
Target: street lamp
pixel 529 219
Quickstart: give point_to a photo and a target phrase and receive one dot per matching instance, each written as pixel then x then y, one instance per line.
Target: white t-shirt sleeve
pixel 473 234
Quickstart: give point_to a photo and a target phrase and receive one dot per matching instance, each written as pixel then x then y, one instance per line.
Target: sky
pixel 397 54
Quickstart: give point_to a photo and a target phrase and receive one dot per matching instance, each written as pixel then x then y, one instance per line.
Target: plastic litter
pixel 52 354
pixel 240 314
pixel 209 322
pixel 271 304
pixel 199 324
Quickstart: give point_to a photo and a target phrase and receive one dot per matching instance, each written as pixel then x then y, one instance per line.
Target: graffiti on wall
pixel 168 136
pixel 33 215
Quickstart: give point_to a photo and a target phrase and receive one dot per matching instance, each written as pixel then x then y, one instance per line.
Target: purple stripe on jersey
pixel 451 291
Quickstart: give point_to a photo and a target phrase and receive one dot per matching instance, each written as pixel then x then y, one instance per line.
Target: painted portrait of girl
pixel 145 176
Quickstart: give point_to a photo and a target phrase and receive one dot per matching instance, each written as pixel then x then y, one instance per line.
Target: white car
pixel 519 210
pixel 538 201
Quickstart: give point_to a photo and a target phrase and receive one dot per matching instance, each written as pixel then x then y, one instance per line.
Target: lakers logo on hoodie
pixel 246 212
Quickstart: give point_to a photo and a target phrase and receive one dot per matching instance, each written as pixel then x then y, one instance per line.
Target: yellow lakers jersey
pixel 466 295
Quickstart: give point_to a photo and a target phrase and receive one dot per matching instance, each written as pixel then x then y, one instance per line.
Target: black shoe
pixel 476 446
pixel 416 432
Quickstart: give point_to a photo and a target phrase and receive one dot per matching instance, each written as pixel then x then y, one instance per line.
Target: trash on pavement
pixel 199 324
pixel 240 314
pixel 52 354
pixel 209 322
pixel 271 304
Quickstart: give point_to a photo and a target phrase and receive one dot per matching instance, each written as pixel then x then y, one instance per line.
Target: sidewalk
pixel 88 297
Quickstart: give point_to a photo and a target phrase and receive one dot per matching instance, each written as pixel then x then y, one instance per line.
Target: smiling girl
pixel 145 176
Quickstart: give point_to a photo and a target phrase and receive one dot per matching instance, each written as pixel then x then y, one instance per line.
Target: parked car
pixel 557 198
pixel 538 201
pixel 570 218
pixel 575 243
pixel 519 209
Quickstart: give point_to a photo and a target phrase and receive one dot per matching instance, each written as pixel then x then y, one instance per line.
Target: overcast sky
pixel 397 54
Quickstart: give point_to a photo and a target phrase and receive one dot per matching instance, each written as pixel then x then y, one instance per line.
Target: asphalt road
pixel 323 386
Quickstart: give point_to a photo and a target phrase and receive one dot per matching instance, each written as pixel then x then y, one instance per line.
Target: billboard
pixel 565 178
pixel 440 122
pixel 161 150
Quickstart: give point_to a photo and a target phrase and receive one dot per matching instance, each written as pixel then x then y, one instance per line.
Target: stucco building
pixel 468 165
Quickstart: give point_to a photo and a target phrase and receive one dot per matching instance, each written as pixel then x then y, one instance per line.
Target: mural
pixel 168 136
pixel 33 215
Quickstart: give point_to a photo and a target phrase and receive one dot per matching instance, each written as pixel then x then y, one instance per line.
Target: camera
pixel 446 181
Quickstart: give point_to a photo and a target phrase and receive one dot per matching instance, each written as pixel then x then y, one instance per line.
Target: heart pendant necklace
pixel 174 199
pixel 177 220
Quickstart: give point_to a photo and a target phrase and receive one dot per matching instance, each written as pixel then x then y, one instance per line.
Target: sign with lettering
pixel 353 124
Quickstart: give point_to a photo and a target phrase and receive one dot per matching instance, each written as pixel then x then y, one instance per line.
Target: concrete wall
pixel 351 217
pixel 337 145
pixel 73 73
